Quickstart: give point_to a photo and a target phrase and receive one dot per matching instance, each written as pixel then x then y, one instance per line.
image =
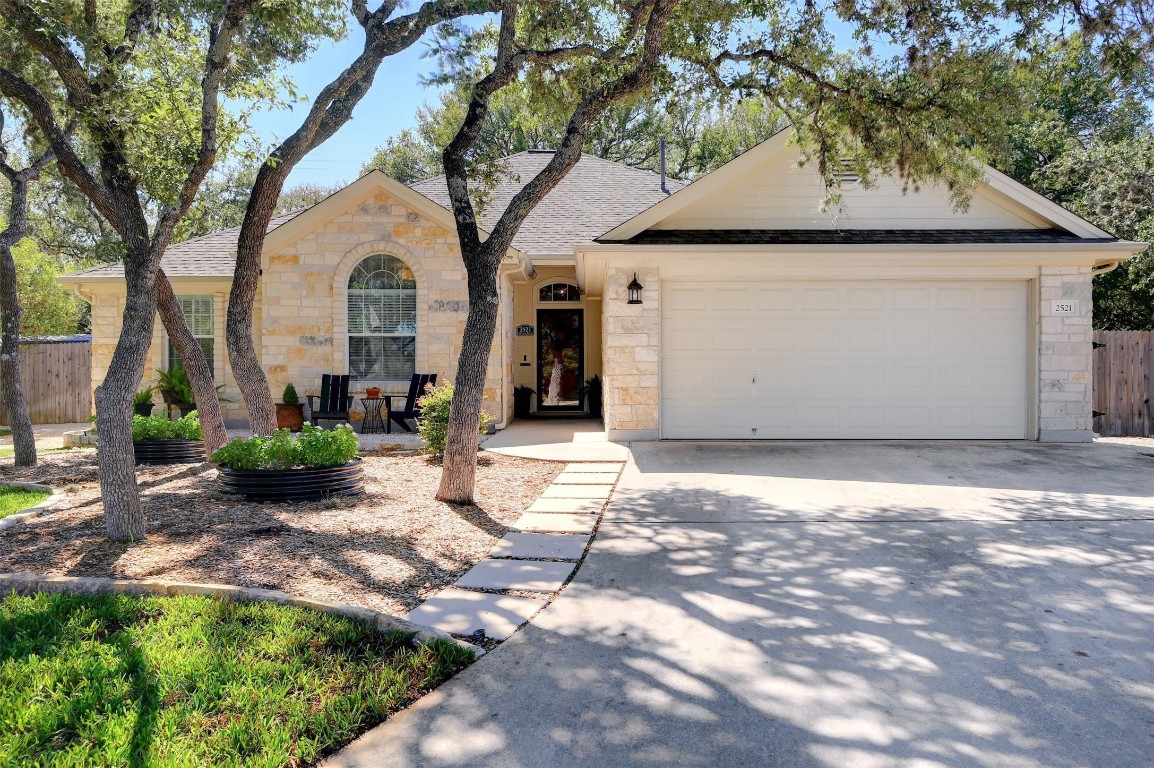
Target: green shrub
pixel 434 422
pixel 290 396
pixel 160 428
pixel 174 384
pixel 144 396
pixel 312 447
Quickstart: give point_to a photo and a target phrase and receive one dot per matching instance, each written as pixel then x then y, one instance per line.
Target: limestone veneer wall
pixel 1065 357
pixel 631 364
pixel 107 302
pixel 305 288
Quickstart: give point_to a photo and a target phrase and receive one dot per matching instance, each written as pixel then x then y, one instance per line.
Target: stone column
pixel 1065 355
pixel 631 338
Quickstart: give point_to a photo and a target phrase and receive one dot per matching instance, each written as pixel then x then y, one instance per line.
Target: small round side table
pixel 374 421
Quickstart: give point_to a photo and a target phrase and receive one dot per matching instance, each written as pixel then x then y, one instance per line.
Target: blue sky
pixel 390 106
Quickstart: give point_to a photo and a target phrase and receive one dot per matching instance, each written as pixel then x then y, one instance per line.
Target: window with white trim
pixel 198 313
pixel 559 292
pixel 382 320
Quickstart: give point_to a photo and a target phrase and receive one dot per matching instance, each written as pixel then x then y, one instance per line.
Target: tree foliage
pixel 1087 142
pixel 49 309
pixel 701 132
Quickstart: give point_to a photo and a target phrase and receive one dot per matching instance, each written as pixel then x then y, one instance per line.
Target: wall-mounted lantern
pixel 635 289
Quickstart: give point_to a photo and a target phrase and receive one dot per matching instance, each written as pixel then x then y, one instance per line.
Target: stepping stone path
pixel 539 555
pixel 541 546
pixel 600 492
pixel 566 506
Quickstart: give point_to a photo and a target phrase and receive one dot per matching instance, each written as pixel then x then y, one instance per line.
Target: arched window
pixel 382 320
pixel 559 292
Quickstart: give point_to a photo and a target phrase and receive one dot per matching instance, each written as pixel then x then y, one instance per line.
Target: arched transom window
pixel 559 292
pixel 382 319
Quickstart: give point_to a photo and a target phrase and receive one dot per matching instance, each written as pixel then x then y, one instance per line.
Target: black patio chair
pixel 411 410
pixel 334 402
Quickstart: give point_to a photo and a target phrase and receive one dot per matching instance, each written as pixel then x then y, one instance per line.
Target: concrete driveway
pixel 830 604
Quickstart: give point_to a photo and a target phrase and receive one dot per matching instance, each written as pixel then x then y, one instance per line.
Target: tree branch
pixel 40 110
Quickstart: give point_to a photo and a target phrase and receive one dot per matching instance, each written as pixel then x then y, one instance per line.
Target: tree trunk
pixel 459 467
pixel 195 364
pixel 123 514
pixel 242 354
pixel 23 441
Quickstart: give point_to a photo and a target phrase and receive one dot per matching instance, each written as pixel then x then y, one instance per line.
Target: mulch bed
pixel 387 550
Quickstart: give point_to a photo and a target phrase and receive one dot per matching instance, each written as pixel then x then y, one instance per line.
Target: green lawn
pixel 122 680
pixel 5 433
pixel 13 500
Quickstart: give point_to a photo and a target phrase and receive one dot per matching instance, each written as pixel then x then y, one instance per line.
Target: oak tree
pixel 100 81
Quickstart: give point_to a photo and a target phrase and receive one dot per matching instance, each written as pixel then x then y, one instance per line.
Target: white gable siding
pixel 781 195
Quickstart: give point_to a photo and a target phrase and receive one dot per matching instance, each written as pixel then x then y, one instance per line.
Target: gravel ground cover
pixel 387 550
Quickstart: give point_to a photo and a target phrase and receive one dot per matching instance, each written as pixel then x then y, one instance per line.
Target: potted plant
pixel 522 402
pixel 142 401
pixel 285 467
pixel 373 393
pixel 290 413
pixel 593 395
pixel 157 440
pixel 176 389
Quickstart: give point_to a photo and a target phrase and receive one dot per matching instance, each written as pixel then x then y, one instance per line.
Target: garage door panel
pixel 880 359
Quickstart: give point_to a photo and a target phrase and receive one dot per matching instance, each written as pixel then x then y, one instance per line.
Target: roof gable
pixel 766 189
pixel 349 197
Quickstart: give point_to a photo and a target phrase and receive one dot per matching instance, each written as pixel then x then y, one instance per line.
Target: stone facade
pixel 631 338
pixel 1065 356
pixel 305 291
pixel 302 315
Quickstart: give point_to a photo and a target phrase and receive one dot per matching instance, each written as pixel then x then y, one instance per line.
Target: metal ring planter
pixel 293 484
pixel 169 451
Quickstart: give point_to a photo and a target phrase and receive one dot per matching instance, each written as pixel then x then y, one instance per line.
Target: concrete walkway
pixel 47 435
pixel 829 604
pixel 556 440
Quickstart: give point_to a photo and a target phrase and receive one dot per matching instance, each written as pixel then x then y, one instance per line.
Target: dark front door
pixel 560 359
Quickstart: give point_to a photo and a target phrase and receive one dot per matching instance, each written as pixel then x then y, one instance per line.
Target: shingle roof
pixel 854 237
pixel 596 196
pixel 211 255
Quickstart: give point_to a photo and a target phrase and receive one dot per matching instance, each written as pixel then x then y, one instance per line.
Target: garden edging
pixel 29 583
pixel 25 515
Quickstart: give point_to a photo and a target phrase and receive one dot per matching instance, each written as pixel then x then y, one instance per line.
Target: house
pixel 759 315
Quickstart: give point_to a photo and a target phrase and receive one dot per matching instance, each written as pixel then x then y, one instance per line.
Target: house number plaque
pixel 524 330
pixel 1064 307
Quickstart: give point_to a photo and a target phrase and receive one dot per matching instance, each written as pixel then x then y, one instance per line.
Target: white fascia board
pixel 1041 205
pixel 705 260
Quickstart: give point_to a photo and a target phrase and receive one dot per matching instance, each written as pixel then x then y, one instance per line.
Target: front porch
pixel 556 440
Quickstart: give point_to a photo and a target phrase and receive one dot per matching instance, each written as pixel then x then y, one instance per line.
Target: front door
pixel 560 359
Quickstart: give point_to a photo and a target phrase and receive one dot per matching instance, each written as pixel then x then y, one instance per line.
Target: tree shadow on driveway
pixel 711 627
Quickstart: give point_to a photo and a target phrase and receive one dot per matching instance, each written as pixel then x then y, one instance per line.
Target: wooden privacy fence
pixel 56 373
pixel 1123 385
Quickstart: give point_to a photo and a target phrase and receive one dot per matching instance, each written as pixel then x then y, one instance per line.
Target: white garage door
pixel 870 359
